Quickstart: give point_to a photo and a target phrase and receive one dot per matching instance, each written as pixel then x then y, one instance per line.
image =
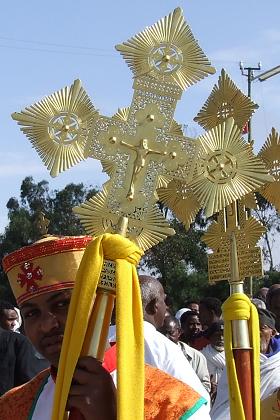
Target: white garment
pixel 180 312
pixel 270 382
pixel 167 356
pixel 198 362
pixel 215 362
pixel 18 322
pixel 43 408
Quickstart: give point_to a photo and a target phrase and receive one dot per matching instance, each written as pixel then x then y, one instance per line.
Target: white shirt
pixel 157 349
pixel 167 356
pixel 270 382
pixel 44 405
pixel 198 362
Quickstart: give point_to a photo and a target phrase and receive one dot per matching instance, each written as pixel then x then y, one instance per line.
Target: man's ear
pixel 274 332
pixel 152 307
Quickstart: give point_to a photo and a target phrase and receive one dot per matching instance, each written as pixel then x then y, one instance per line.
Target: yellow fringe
pixel 238 306
pixel 130 356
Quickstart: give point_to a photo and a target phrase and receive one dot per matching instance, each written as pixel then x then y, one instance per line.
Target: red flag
pixel 245 129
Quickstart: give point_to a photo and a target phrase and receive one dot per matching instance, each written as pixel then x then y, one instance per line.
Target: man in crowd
pixel 210 311
pixel 172 330
pixel 261 294
pixel 191 327
pixel 193 305
pixel 273 303
pixel 8 316
pixel 159 351
pixel 215 355
pixel 44 299
pixel 269 370
pixel 18 363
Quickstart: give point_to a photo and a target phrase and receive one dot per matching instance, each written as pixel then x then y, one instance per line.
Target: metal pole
pixel 241 341
pixel 250 77
pixel 97 333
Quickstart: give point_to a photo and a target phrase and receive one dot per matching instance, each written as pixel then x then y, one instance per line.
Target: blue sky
pixel 44 46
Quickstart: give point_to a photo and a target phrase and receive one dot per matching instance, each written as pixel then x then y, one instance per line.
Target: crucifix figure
pixel 162 71
pixel 142 151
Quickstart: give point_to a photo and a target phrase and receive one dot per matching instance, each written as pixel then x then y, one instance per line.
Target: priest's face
pixel 44 322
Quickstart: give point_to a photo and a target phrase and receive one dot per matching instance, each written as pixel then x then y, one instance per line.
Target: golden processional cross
pixel 141 147
pixel 143 150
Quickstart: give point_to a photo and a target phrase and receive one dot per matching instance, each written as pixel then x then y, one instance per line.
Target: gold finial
pixel 42 224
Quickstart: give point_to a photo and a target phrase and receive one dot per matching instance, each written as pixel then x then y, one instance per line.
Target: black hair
pixel 189 301
pixel 216 326
pixel 273 291
pixel 266 317
pixel 186 316
pixel 4 304
pixel 212 304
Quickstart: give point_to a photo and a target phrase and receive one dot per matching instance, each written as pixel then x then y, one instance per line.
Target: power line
pixel 57 51
pixel 51 44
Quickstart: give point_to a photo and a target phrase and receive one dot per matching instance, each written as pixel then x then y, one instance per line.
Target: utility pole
pixel 249 73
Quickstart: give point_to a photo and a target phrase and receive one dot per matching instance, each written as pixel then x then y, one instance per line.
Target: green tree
pixel 181 263
pixel 269 217
pixel 23 213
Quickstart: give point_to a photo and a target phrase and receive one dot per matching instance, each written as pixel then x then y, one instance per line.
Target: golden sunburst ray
pixel 98 219
pixel 108 167
pixel 252 231
pixel 214 236
pixel 149 232
pixel 121 114
pixel 270 154
pixel 226 169
pixel 249 201
pixel 176 129
pixel 226 100
pixel 58 126
pixel 179 198
pixel 167 51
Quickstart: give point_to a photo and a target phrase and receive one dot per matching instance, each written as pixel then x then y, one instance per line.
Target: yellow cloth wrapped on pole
pixel 130 356
pixel 237 307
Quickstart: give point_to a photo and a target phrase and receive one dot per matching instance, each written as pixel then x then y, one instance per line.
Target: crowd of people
pixel 185 365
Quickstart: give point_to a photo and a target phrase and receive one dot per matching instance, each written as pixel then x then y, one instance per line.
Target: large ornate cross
pixel 141 148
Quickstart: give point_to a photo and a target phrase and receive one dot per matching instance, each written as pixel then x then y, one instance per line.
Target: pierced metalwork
pixel 270 154
pixel 179 197
pixel 226 168
pixel 247 230
pixel 226 100
pixel 58 126
pixel 144 229
pixel 141 147
pixel 167 51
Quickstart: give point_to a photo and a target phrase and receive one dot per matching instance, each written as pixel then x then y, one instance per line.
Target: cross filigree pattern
pixel 247 231
pixel 142 148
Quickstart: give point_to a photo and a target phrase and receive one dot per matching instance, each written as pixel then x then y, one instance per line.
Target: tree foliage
pixel 269 217
pixel 23 213
pixel 181 263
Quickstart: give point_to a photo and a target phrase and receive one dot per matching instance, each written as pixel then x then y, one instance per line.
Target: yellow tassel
pixel 238 306
pixel 130 356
